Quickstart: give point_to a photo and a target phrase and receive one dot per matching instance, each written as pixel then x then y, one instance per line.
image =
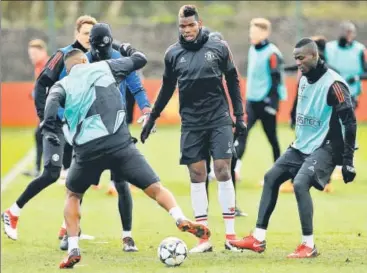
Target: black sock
pixel 125 205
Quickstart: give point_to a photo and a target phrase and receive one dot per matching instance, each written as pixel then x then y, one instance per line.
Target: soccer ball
pixel 172 251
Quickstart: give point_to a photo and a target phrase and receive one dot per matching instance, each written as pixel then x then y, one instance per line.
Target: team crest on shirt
pixel 209 56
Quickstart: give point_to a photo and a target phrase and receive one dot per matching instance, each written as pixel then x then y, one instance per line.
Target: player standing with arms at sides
pixel 96 126
pixel 37 52
pixel 52 154
pixel 264 86
pixel 198 65
pixel 324 102
pixel 349 58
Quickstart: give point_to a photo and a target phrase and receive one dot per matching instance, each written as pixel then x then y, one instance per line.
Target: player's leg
pixel 112 186
pixel 194 152
pixel 252 116
pixel 52 166
pixel 38 140
pixel 284 168
pixel 125 206
pixel 79 179
pixel 138 172
pixel 222 151
pixel 269 123
pixel 238 211
pixel 208 163
pixel 315 172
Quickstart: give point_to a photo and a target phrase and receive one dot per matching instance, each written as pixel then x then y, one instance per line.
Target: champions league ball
pixel 172 251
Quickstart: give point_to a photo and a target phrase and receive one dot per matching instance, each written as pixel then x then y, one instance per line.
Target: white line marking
pixel 17 169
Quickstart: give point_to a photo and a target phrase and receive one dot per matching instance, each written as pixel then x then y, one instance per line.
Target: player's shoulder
pixel 172 50
pixel 332 43
pixel 359 45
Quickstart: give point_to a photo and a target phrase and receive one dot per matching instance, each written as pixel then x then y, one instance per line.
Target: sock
pixel 308 239
pixel 63 224
pixel 176 213
pixel 73 243
pixel 15 210
pixel 199 201
pixel 238 166
pixel 126 234
pixel 227 202
pixel 259 234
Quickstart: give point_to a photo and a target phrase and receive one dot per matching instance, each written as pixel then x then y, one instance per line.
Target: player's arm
pixel 55 99
pixel 49 75
pixel 169 81
pixel 122 67
pixel 136 88
pixel 339 97
pixel 232 80
pixel 274 65
pixel 363 76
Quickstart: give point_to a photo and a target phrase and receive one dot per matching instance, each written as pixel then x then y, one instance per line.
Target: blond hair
pixel 188 10
pixel 262 23
pixel 85 19
pixel 37 43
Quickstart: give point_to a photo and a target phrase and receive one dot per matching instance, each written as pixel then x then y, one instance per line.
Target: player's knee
pixel 301 183
pixel 52 173
pixel 222 170
pixel 154 189
pixel 122 187
pixel 197 174
pixel 270 178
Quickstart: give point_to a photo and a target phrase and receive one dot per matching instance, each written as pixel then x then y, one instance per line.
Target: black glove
pixel 352 80
pixel 127 50
pixel 240 127
pixel 348 171
pixel 51 137
pixel 147 128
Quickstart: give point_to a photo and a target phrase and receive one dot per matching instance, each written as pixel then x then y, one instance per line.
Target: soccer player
pixel 101 49
pixel 37 52
pixel 349 58
pixel 96 125
pixel 198 65
pixel 264 85
pixel 52 154
pixel 324 102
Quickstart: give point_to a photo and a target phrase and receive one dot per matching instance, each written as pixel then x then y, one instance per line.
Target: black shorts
pixel 319 165
pixel 128 164
pixel 196 144
pixel 52 154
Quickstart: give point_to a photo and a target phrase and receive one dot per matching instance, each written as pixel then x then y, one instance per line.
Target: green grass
pixel 14 144
pixel 340 219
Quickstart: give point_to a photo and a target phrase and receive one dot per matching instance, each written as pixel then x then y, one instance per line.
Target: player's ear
pixel 200 23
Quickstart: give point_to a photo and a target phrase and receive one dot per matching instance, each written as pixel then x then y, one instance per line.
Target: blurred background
pixel 152 26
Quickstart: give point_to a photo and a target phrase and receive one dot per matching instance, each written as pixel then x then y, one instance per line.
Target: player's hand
pixel 240 127
pixel 348 172
pixel 143 121
pixel 127 50
pixel 147 128
pixel 52 138
pixel 353 79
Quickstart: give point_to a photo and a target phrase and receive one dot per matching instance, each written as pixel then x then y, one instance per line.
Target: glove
pixel 147 128
pixel 144 119
pixel 352 80
pixel 292 123
pixel 240 127
pixel 127 50
pixel 348 172
pixel 51 137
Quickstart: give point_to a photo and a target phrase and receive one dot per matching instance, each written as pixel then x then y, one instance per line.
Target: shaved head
pixel 306 54
pixel 74 57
